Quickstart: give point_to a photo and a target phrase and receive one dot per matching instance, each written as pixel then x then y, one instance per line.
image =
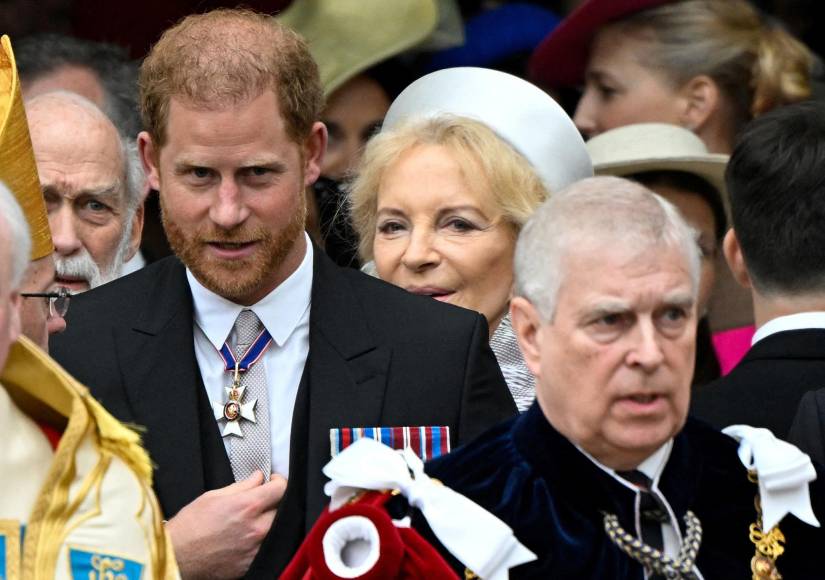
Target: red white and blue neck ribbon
pixel 255 351
pixel 234 409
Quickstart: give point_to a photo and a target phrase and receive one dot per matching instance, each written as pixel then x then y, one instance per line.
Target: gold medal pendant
pixel 234 409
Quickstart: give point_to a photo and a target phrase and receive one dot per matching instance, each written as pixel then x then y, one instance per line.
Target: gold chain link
pixel 769 546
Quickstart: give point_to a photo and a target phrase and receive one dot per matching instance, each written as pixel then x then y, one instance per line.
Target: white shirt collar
pixel 798 321
pixel 280 311
pixel 652 467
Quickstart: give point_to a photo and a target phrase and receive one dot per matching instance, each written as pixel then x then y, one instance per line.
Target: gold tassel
pixel 119 439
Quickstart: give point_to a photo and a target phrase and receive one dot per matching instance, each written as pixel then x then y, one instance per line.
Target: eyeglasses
pixel 58 300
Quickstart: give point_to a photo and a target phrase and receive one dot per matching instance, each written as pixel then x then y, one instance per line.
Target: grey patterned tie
pixel 253 451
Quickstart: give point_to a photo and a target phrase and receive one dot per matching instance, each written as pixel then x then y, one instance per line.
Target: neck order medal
pixel 234 409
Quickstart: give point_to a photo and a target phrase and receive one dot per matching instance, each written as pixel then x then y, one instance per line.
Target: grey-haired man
pixel 605 477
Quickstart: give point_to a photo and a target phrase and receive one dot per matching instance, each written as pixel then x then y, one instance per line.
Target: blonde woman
pixel 443 190
pixel 706 65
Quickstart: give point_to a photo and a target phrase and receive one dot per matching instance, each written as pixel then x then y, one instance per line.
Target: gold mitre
pixel 17 167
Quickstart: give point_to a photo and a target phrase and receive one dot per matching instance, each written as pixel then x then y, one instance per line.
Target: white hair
pixel 134 177
pixel 17 229
pixel 602 212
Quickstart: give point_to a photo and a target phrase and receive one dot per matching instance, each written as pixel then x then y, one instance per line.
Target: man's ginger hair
pixel 227 57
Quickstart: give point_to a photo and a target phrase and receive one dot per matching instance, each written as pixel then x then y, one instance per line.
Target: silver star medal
pixel 233 410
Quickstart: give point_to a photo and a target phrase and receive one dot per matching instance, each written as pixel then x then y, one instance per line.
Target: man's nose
pixel 646 351
pixel 63 226
pixel 229 208
pixel 55 325
pixel 420 252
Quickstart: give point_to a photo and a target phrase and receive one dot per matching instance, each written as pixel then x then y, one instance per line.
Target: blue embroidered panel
pixel 87 565
pixel 2 557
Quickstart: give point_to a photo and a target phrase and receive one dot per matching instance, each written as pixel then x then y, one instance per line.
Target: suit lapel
pixel 163 384
pixel 342 385
pixel 346 371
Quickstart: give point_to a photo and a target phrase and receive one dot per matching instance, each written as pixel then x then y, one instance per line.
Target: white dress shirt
pixel 284 312
pixel 799 321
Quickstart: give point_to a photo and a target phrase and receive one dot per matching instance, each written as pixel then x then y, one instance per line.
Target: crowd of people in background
pixel 415 289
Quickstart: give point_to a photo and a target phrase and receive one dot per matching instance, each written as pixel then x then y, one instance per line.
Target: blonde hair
pixel 486 161
pixel 228 57
pixel 757 65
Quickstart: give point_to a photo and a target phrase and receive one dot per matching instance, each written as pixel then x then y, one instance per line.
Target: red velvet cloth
pixel 404 553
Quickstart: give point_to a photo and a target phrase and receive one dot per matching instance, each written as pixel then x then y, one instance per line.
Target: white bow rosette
pixel 784 473
pixel 477 538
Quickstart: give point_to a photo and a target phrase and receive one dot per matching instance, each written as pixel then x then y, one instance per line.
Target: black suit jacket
pixel 765 388
pixel 377 356
pixel 808 428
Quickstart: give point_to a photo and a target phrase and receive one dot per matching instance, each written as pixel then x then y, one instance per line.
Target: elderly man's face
pixel 37 323
pixel 614 365
pixel 81 167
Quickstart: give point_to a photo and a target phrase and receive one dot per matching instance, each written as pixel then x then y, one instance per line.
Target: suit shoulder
pixel 483 466
pixel 395 301
pixel 708 437
pixel 723 395
pixel 117 303
pixel 135 284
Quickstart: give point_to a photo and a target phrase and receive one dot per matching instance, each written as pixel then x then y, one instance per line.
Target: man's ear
pixel 137 231
pixel 702 98
pixel 735 259
pixel 527 324
pixel 15 316
pixel 314 148
pixel 150 158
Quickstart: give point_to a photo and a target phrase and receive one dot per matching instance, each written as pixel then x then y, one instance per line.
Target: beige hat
pixel 657 147
pixel 346 37
pixel 517 111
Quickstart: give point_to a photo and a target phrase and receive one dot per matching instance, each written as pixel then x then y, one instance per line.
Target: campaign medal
pixel 234 409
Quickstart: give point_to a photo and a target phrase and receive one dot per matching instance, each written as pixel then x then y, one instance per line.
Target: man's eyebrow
pixel 185 165
pixel 604 308
pixel 104 191
pixel 276 166
pixel 679 298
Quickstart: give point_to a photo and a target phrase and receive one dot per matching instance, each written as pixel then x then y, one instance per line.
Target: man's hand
pixel 218 534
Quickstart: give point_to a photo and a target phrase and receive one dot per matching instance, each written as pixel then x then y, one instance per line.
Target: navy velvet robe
pixel 554 497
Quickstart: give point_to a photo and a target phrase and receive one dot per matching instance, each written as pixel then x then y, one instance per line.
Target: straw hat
pixel 561 58
pixel 517 111
pixel 657 147
pixel 17 167
pixel 346 37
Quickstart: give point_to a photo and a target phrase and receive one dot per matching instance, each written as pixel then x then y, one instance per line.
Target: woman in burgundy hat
pixel 707 65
